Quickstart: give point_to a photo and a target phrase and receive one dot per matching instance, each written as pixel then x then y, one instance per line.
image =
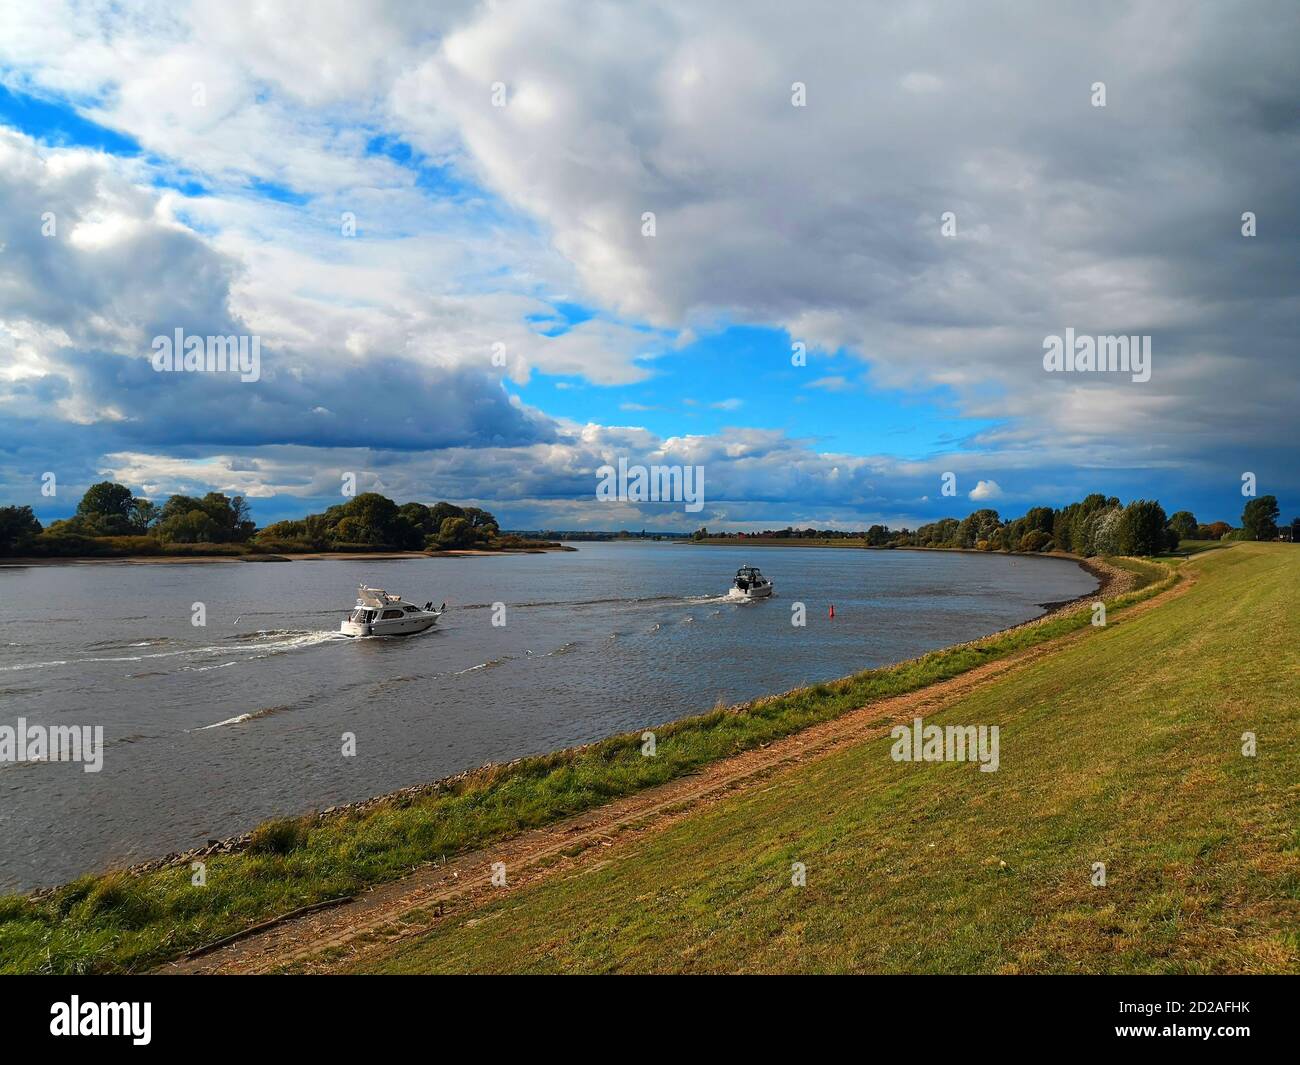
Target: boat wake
pixel 491 663
pixel 256 644
pixel 578 602
pixel 242 718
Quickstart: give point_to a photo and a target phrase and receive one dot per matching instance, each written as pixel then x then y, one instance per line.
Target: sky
pixel 866 221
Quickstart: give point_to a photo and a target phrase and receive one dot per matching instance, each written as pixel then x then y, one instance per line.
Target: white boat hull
pixel 762 592
pixel 379 614
pixel 398 627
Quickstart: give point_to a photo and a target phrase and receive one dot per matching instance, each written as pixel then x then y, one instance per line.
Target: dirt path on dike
pixel 325 940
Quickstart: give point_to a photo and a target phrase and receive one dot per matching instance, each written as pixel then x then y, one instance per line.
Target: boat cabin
pixel 375 603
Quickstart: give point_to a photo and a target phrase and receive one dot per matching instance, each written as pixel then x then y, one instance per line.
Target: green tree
pixel 229 520
pixel 1063 528
pixel 980 525
pixel 1259 519
pixel 478 518
pixel 144 515
pixel 107 509
pixel 455 532
pixel 418 515
pixel 1098 532
pixel 243 526
pixel 1142 528
pixel 1184 523
pixel 878 535
pixel 194 527
pixel 373 521
pixel 440 512
pixel 284 530
pixel 18 528
pixel 942 533
pixel 1083 523
pixel 1035 540
pixel 1039 518
pixel 404 534
pixel 350 530
pixel 178 506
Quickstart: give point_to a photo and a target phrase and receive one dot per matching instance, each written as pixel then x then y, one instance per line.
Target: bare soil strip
pixel 329 939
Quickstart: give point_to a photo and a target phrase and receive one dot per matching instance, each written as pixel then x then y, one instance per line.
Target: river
pixel 211 729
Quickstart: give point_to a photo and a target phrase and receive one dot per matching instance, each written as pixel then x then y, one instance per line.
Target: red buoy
pixel 832 610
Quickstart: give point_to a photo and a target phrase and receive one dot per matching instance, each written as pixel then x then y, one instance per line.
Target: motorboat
pixel 750 584
pixel 379 614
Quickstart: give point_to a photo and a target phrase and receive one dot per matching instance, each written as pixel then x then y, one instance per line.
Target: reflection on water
pixel 209 730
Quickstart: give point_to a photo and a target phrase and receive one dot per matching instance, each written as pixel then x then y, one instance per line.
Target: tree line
pixel 371 520
pixel 110 519
pixel 1096 525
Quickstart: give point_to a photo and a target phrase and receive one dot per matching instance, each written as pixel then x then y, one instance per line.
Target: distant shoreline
pixel 306 556
pixel 858 545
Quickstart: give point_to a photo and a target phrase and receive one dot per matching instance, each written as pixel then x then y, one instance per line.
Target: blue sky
pixel 743 375
pixel 58 122
pixel 518 229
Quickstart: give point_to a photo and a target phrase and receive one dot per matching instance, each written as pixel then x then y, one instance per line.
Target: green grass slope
pixel 1124 748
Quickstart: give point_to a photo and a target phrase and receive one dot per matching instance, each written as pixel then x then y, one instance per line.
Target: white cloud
pixel 684 110
pixel 985 490
pixel 833 383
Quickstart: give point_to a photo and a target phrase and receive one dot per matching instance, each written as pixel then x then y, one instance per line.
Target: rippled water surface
pixel 210 730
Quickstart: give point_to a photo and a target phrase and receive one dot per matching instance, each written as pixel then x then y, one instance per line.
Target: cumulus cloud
pixel 985 490
pixel 826 219
pixel 79 316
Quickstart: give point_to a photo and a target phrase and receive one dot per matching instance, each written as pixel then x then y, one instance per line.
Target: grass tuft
pixel 284 835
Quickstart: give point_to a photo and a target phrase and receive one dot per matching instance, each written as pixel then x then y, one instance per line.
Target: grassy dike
pixel 130 921
pixel 1123 748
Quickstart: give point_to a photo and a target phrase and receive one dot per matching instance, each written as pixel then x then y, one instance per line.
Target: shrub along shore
pixel 112 523
pixel 1096 525
pixel 131 920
